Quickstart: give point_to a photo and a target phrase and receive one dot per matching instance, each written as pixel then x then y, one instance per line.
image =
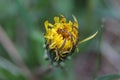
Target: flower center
pixel 65 34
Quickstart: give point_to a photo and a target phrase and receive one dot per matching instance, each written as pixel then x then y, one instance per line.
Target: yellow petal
pixel 63 19
pixel 88 38
pixel 50 25
pixel 46 25
pixel 70 23
pixel 52 45
pixel 56 19
pixel 75 24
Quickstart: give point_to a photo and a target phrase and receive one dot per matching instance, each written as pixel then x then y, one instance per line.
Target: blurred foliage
pixel 109 77
pixel 23 21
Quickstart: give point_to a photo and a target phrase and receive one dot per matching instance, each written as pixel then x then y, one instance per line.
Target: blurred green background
pixel 22 40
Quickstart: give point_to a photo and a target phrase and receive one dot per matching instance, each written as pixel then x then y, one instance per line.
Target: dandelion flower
pixel 62 38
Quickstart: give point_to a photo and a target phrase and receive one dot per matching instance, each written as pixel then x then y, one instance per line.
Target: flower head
pixel 62 38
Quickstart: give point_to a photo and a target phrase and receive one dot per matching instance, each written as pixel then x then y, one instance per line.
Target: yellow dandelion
pixel 62 38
